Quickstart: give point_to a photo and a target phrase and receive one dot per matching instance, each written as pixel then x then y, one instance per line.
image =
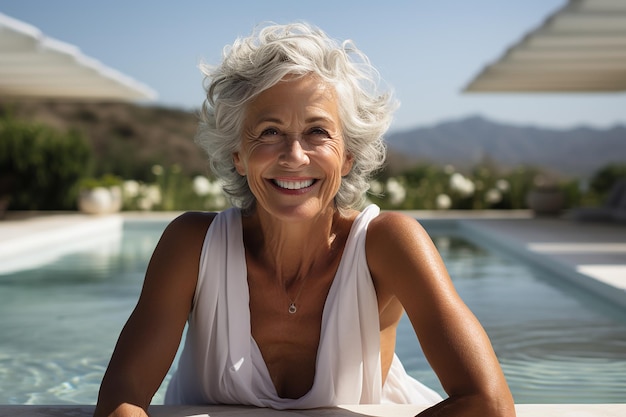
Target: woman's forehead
pixel 307 96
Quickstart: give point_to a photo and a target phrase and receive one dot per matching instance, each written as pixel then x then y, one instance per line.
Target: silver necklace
pixel 292 303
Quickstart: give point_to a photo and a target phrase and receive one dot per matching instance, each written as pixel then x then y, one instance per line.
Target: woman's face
pixel 292 150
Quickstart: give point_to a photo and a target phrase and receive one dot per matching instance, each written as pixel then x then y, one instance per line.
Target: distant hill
pixel 573 152
pixel 131 138
pixel 127 139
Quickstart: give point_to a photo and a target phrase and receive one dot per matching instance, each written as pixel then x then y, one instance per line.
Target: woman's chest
pixel 286 327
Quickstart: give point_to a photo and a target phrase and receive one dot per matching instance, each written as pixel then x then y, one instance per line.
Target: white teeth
pixel 293 185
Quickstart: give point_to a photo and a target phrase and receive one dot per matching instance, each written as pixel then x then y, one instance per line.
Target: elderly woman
pixel 293 296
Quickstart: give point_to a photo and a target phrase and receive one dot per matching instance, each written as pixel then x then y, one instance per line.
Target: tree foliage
pixel 40 167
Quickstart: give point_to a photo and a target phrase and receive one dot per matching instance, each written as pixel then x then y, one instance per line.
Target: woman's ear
pixel 348 161
pixel 239 165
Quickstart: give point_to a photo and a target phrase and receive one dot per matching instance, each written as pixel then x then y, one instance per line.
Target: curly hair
pixel 255 63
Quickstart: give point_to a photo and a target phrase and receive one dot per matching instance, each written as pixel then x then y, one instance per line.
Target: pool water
pixel 60 323
pixel 556 342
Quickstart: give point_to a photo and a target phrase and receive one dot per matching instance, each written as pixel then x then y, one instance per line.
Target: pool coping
pixel 37 241
pixel 522 410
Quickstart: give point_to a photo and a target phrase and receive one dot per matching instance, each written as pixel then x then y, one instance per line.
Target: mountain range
pixel 577 152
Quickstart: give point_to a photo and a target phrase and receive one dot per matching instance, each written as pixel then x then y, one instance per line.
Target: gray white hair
pixel 255 63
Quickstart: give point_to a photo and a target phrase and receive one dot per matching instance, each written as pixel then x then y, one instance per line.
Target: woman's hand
pixel 127 410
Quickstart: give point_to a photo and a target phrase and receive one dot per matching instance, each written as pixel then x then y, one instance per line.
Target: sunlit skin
pixel 292 150
pixel 293 155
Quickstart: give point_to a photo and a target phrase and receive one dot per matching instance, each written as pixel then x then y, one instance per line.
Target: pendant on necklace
pixel 292 308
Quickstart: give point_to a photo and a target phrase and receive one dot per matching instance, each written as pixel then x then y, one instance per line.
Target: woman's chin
pixel 304 211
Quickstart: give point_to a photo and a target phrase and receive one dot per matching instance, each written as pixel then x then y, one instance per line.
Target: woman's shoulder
pixel 195 218
pixel 190 225
pixel 391 223
pixel 393 233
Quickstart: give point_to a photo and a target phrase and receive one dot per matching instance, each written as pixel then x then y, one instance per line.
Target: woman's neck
pixel 292 250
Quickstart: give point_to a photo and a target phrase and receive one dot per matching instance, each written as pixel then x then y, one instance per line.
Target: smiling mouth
pixel 293 185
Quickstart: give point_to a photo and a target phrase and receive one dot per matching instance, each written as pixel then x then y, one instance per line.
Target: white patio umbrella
pixel 579 48
pixel 35 66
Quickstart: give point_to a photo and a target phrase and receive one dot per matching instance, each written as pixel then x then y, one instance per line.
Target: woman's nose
pixel 293 154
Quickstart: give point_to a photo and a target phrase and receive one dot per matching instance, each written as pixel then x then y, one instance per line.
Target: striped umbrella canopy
pixel 579 48
pixel 33 65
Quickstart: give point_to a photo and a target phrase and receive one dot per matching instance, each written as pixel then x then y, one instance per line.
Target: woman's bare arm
pixel 149 340
pixel 407 268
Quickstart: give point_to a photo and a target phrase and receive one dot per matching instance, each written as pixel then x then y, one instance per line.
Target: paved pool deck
pixel 593 255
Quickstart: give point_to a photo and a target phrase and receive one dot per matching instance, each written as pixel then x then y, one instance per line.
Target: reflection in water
pixel 556 343
pixel 60 322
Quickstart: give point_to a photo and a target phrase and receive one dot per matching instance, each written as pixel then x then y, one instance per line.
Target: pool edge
pixel 523 410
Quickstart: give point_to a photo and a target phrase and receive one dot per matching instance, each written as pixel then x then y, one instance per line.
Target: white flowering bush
pixel 493 196
pixel 209 191
pixel 173 190
pixel 376 187
pixel 443 202
pixel 141 196
pixel 430 187
pixel 396 191
pixel 423 187
pixel 503 185
pixel 461 185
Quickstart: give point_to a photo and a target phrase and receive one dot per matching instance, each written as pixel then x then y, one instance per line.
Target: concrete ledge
pixel 34 242
pixel 523 410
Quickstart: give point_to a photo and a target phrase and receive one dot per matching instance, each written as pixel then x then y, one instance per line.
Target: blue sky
pixel 427 50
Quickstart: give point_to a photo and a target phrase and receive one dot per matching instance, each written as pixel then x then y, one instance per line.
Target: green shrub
pixel 603 180
pixel 107 180
pixel 39 166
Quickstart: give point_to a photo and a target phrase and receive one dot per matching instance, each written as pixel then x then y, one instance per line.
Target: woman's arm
pixel 149 340
pixel 407 268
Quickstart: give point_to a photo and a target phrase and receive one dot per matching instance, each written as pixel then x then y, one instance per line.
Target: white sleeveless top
pixel 222 364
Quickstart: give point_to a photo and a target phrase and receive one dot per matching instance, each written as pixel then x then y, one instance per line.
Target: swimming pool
pixel 60 322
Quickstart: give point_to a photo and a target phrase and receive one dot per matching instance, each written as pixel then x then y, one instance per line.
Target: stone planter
pixel 100 200
pixel 545 201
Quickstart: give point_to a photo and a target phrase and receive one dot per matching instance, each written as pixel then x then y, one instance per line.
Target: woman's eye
pixel 269 132
pixel 318 131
